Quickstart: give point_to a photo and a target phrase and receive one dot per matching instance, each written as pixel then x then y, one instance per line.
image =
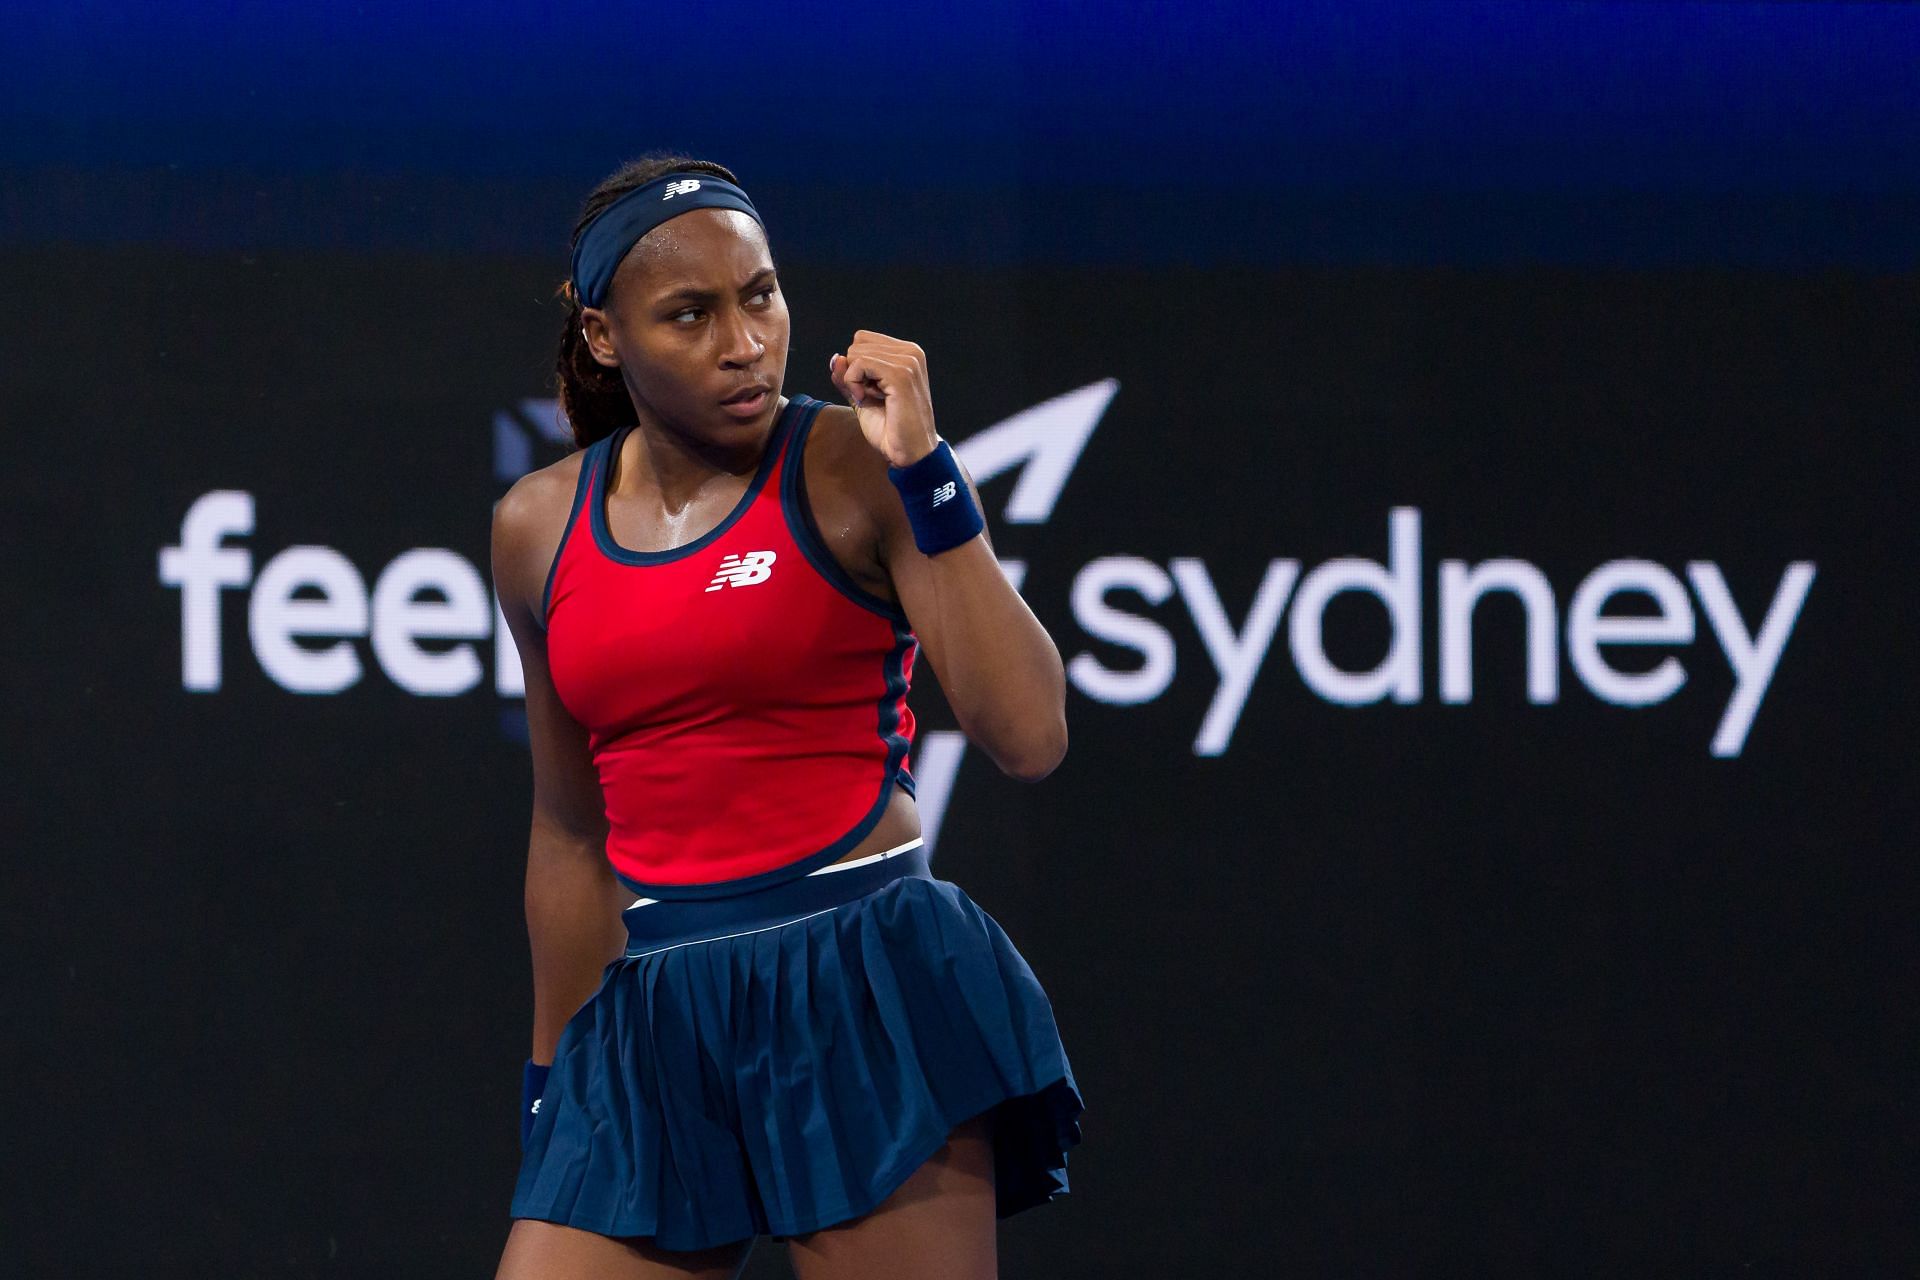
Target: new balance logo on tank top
pixel 745 699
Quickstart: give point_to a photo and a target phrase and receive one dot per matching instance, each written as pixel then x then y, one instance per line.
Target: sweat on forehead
pixel 689 243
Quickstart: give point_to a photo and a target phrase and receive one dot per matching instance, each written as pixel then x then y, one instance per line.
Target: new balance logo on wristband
pixel 944 492
pixel 743 571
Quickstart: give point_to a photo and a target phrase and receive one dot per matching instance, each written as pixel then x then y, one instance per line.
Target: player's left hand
pixel 885 380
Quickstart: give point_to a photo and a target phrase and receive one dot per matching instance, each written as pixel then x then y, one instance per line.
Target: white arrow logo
pixel 1044 442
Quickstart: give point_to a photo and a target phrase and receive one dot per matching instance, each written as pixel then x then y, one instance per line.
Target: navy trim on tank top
pixel 806 533
pixel 580 486
pixel 603 534
pixel 896 673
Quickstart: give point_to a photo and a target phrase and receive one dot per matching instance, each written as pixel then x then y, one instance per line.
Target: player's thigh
pixel 547 1251
pixel 939 1224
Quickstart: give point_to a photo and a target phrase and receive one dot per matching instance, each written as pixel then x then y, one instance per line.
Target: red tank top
pixel 745 699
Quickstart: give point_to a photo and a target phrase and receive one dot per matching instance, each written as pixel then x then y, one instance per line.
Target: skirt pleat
pixel 793 1077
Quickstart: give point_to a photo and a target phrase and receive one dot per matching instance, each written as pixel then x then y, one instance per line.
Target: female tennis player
pixel 756 1012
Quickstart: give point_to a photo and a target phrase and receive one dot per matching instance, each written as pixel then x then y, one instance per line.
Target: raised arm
pixel 572 899
pixel 997 665
pixel 999 668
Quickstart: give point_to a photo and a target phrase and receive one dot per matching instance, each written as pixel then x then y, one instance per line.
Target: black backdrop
pixel 1381 988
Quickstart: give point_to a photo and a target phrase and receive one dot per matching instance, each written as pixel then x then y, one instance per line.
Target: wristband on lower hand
pixel 940 506
pixel 533 1084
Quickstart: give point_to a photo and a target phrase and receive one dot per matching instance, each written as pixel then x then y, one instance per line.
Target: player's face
pixel 693 318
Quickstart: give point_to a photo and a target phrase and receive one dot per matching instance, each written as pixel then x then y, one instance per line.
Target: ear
pixel 593 326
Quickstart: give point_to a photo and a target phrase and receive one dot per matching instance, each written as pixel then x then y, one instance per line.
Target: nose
pixel 740 346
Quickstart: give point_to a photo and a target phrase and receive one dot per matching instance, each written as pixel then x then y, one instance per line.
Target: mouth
pixel 748 400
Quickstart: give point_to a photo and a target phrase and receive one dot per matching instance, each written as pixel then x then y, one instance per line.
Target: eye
pixel 766 293
pixel 680 315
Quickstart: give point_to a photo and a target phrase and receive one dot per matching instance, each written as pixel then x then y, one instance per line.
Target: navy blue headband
pixel 618 227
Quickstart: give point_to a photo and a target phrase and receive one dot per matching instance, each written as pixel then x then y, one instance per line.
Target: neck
pixel 679 466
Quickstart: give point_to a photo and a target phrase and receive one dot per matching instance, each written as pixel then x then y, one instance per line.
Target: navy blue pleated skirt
pixel 782 1060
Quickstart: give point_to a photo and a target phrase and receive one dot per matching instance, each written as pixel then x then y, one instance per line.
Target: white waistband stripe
pixel 914 843
pixel 898 849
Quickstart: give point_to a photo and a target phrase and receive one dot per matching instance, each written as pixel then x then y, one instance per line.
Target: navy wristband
pixel 939 505
pixel 533 1084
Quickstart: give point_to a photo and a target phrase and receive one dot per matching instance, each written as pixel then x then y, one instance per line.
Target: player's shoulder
pixel 838 450
pixel 532 500
pixel 836 428
pixel 529 520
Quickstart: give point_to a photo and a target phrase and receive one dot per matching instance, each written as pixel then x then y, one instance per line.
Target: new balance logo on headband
pixel 743 571
pixel 686 187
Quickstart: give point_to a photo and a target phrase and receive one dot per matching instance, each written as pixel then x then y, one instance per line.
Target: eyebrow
pixel 693 293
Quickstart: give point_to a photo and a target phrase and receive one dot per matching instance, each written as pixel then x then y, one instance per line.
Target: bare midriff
pixel 898 824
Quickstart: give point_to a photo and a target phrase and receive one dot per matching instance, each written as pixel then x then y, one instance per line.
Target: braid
pixel 593 397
